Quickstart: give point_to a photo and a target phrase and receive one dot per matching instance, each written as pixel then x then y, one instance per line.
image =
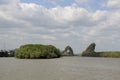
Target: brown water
pixel 65 68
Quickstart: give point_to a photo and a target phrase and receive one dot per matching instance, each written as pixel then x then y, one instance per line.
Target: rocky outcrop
pixel 68 51
pixel 90 50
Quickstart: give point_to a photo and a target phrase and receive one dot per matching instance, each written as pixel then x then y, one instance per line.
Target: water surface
pixel 65 68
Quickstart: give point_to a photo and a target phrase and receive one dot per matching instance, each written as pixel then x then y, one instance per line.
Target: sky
pixel 76 23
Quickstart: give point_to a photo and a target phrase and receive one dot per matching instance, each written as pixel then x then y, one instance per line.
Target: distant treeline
pixel 7 53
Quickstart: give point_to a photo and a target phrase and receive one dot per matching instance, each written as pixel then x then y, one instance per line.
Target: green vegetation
pixel 35 51
pixel 109 54
pixel 102 54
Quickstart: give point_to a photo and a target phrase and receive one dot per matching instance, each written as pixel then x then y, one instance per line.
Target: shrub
pixel 35 51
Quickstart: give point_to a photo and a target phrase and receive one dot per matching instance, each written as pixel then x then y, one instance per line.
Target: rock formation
pixel 89 50
pixel 68 51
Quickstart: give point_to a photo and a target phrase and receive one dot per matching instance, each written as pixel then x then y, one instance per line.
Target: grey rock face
pixel 90 50
pixel 68 51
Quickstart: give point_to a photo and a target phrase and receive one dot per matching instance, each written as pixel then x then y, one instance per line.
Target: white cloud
pixel 22 23
pixel 54 1
pixel 82 1
pixel 48 37
pixel 9 1
pixel 113 3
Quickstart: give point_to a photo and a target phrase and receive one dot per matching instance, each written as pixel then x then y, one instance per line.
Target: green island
pixel 35 51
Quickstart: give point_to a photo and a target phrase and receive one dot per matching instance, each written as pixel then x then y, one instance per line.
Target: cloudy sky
pixel 60 22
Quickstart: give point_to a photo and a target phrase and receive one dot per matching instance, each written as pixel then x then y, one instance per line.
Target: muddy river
pixel 65 68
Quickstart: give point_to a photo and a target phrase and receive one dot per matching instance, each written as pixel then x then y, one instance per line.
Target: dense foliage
pixel 35 51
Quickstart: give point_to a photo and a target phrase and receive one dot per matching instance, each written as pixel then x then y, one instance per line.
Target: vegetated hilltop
pixel 36 51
